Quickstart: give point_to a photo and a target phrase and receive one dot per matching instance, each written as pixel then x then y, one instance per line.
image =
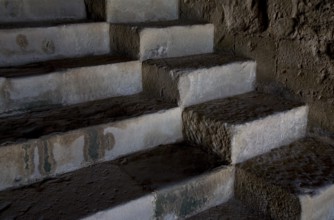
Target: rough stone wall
pixel 292 41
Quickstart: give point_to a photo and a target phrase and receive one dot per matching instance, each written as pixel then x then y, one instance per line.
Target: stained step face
pixel 197 79
pixel 40 10
pixel 69 81
pixel 53 141
pixel 131 11
pixel 146 185
pixel 20 46
pixel 292 182
pixel 244 126
pixel 162 39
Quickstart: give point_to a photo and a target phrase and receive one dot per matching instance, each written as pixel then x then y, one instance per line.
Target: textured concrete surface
pixel 40 10
pixel 127 182
pixel 28 45
pixel 292 42
pixel 54 141
pixel 292 182
pixel 162 39
pixel 197 79
pixel 124 11
pixel 244 126
pixel 66 82
pixel 231 210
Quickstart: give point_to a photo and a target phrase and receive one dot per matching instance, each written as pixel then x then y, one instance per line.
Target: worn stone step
pixel 41 10
pixel 168 182
pixel 25 45
pixel 131 11
pixel 291 182
pixel 55 140
pixel 244 126
pixel 231 210
pixel 68 81
pixel 162 39
pixel 196 79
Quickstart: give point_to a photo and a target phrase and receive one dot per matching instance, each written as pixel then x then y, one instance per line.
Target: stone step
pixel 13 11
pixel 291 182
pixel 51 141
pixel 25 45
pixel 231 210
pixel 244 126
pixel 196 79
pixel 168 182
pixel 162 39
pixel 131 11
pixel 68 81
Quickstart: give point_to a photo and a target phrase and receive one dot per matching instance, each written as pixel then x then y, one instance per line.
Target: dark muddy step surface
pixel 59 65
pixel 46 121
pixel 34 24
pixel 194 62
pixel 232 210
pixel 102 186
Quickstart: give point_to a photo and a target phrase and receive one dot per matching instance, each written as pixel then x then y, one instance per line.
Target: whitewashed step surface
pixel 244 126
pixel 52 141
pixel 196 79
pixel 291 182
pixel 69 81
pixel 133 11
pixel 162 39
pixel 17 11
pixel 20 46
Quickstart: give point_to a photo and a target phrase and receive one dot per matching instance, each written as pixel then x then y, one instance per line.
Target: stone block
pixel 20 46
pixel 196 79
pixel 16 11
pixel 133 11
pixel 244 126
pixel 161 40
pixel 291 182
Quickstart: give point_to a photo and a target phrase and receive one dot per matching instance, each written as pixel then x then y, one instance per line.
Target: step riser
pixel 41 10
pixel 56 154
pixel 200 85
pixel 263 135
pixel 118 11
pixel 71 86
pixel 28 45
pixel 178 201
pixel 155 43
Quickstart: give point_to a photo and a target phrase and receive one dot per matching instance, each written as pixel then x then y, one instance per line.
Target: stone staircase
pixel 115 109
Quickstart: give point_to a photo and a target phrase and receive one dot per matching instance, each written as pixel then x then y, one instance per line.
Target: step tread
pixel 54 119
pixel 59 65
pixel 233 209
pixel 44 24
pixel 162 24
pixel 301 168
pixel 243 108
pixel 102 186
pixel 194 62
